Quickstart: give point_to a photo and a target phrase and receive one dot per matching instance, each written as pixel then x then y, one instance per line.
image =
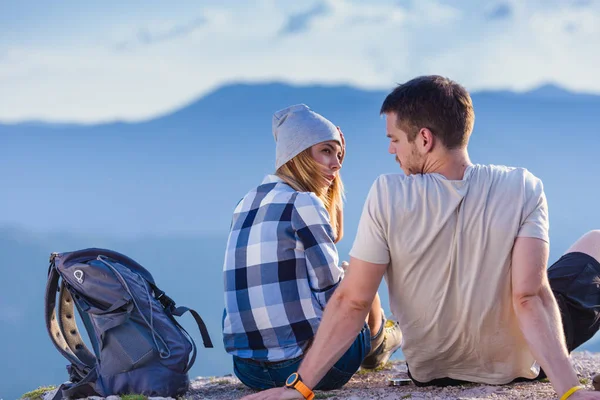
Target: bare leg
pixel 582 289
pixel 588 244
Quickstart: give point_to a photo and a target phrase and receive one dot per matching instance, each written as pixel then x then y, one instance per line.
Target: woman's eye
pixel 326 151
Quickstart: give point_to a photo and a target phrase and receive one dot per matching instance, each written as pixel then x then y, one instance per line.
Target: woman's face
pixel 329 157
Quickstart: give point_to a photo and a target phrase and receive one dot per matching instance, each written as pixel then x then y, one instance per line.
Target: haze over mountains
pixel 162 191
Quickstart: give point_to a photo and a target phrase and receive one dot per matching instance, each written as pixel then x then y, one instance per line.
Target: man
pixel 464 250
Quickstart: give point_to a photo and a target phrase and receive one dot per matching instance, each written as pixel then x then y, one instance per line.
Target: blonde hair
pixel 301 173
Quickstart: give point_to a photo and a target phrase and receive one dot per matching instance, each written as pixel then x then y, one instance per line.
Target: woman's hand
pixel 344 265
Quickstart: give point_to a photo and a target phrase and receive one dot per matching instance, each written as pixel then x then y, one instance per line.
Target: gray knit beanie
pixel 297 128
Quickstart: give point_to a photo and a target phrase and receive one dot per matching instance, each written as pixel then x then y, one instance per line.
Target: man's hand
pixel 281 393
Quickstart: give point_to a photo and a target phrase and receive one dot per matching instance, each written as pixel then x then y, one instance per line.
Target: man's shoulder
pixel 387 183
pixel 386 179
pixel 498 169
pixel 504 182
pixel 495 171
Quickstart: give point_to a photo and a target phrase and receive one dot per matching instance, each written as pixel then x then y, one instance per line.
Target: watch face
pixel 292 379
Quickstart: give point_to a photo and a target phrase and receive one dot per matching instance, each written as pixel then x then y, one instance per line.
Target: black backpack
pixel 138 346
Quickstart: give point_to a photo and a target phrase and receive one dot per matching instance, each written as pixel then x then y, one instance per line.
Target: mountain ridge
pixel 542 91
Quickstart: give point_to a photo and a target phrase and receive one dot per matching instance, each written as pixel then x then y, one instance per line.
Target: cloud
pixel 501 11
pixel 300 22
pixel 145 37
pixel 571 27
pixel 581 3
pixel 369 45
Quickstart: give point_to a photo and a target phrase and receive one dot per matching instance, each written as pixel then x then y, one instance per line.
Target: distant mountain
pixel 547 91
pixel 184 171
pixel 550 91
pixel 162 191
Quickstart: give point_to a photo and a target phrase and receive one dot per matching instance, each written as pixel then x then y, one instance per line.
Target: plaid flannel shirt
pixel 280 269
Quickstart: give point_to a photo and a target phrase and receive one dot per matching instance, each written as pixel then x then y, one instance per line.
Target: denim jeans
pixel 265 375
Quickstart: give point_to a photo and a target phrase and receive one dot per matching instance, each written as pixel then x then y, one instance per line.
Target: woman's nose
pixel 336 165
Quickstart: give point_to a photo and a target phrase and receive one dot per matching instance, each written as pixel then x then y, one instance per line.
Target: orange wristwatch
pixel 294 382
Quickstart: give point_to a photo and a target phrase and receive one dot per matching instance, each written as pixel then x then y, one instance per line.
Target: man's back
pixel 449 247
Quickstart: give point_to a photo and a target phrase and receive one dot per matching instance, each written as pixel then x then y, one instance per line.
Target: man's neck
pixel 452 164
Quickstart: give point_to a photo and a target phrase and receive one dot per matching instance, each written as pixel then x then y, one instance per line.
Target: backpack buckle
pixel 165 300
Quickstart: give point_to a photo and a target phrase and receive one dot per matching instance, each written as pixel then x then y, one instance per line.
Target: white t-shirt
pixel 448 247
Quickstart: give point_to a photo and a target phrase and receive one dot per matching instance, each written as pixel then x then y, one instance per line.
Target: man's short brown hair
pixel 434 102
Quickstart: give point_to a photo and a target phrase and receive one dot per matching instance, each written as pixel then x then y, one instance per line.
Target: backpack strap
pixel 179 311
pixel 68 324
pixel 79 371
pixel 54 329
pixel 89 328
pixel 84 388
pixel 169 305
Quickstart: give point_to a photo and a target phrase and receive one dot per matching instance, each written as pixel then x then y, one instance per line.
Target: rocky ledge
pixel 375 385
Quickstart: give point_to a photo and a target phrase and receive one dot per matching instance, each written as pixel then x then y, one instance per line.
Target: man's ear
pixel 426 140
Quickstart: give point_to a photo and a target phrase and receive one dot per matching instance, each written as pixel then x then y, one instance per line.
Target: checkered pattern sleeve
pixel 311 222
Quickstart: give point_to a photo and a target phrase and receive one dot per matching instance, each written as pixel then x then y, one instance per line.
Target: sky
pixel 90 62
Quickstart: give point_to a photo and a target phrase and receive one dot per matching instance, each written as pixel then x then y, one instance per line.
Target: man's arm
pixel 343 318
pixel 538 313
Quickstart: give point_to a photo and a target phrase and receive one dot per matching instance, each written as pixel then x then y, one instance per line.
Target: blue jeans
pixel 265 375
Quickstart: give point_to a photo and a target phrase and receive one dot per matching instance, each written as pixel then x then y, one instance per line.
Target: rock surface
pixel 374 385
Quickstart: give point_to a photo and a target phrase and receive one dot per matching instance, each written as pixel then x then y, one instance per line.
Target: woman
pixel 281 263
